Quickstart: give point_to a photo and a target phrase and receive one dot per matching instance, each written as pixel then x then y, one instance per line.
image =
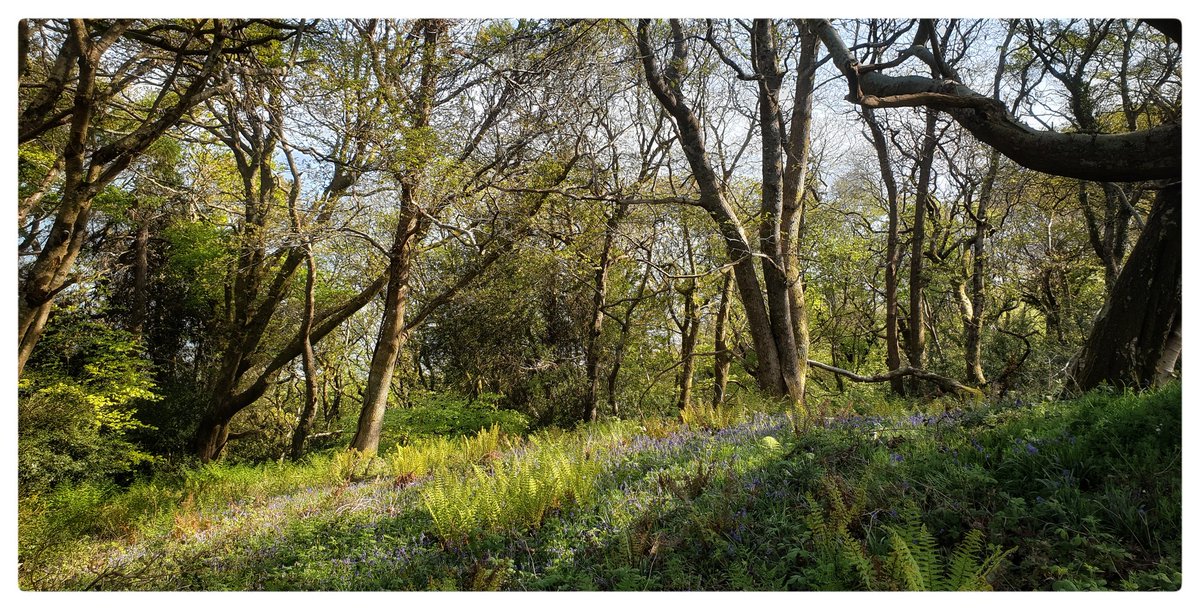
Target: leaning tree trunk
pixel 1135 341
pixel 409 229
pixel 667 88
pixel 392 333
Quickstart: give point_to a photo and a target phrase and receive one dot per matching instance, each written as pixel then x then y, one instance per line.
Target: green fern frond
pixel 918 565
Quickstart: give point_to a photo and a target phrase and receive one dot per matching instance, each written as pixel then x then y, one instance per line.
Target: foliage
pixel 448 414
pixel 918 565
pixel 414 461
pixel 957 499
pixel 514 494
pixel 705 415
pixel 78 401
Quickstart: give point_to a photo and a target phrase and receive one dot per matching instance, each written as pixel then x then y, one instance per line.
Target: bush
pixel 77 401
pixel 449 414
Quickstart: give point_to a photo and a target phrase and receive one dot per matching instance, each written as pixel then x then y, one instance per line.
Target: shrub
pixel 77 401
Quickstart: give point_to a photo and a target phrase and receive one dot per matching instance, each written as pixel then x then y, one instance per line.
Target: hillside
pixel 1083 494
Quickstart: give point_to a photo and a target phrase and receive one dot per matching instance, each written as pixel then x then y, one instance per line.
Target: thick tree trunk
pixel 47 276
pixel 1135 339
pixel 211 437
pixel 795 174
pixel 392 333
pixel 774 266
pixel 409 229
pixel 84 175
pixel 667 89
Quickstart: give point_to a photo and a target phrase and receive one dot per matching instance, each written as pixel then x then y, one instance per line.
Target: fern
pixel 842 555
pixel 516 494
pixel 918 565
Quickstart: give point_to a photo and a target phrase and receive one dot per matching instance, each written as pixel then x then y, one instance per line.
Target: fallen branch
pixel 947 384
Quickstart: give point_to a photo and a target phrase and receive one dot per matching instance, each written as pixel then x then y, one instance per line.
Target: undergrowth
pixel 1073 495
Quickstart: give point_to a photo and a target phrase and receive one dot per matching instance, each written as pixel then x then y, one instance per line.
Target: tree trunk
pixel 391 332
pixel 973 320
pixel 687 349
pixel 723 357
pixel 623 341
pixel 141 272
pixel 211 437
pixel 691 137
pixel 774 267
pixel 795 177
pixel 591 400
pixel 1135 339
pixel 309 360
pixel 916 278
pixel 409 229
pixel 891 279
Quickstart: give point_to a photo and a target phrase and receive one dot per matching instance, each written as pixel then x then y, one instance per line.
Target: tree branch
pixel 945 383
pixel 1147 154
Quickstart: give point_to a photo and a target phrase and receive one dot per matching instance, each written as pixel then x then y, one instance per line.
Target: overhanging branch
pixel 1147 154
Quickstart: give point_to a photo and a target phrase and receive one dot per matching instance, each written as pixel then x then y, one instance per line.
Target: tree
pixel 1153 153
pixel 72 94
pixel 420 203
pixel 779 369
pixel 250 123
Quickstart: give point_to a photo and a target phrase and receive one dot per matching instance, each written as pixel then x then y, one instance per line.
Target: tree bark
pixel 591 400
pixel 141 272
pixel 1134 341
pixel 795 178
pixel 892 256
pixel 667 89
pixel 916 276
pixel 309 411
pixel 392 335
pixel 973 318
pixel 409 230
pixel 947 384
pixel 774 266
pixel 723 356
pixel 689 329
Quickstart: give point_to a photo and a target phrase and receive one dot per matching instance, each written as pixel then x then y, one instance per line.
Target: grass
pixel 1074 495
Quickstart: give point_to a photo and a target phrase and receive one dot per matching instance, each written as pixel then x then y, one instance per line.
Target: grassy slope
pixel 1075 495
